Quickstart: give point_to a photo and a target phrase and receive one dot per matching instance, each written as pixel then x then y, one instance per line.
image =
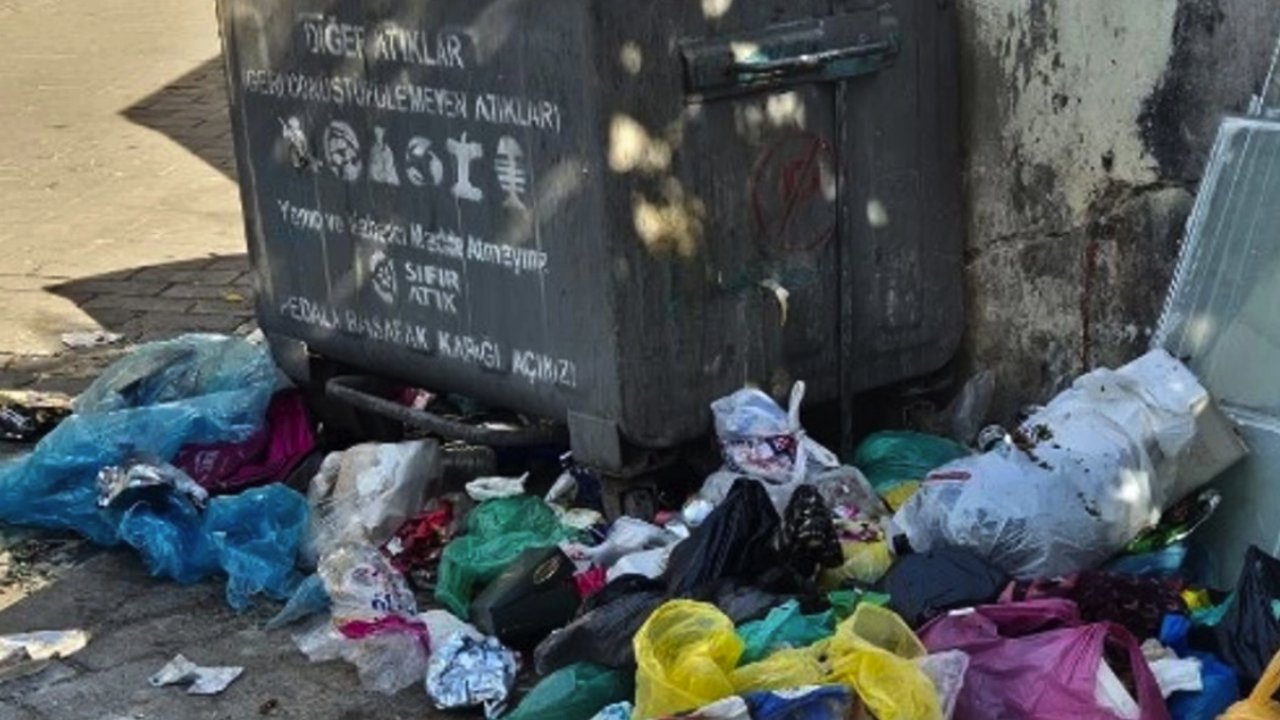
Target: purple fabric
pixel 1036 660
pixel 286 437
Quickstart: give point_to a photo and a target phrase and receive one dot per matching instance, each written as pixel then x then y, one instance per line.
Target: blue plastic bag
pixel 197 389
pixel 256 538
pixel 1220 686
pixel 810 703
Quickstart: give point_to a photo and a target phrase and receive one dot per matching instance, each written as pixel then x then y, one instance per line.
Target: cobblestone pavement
pixel 118 204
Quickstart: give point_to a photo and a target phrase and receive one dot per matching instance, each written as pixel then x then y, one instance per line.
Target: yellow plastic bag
pixel 872 652
pixel 865 562
pixel 685 653
pixel 1259 705
pixel 782 670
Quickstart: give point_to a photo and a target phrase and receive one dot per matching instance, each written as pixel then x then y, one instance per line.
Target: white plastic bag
pixel 363 495
pixel 627 536
pixel 374 623
pixel 1083 476
pixel 761 440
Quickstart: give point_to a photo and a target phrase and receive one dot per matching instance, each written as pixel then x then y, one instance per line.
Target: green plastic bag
pixel 844 602
pixel 784 627
pixel 575 692
pixel 498 531
pixel 894 457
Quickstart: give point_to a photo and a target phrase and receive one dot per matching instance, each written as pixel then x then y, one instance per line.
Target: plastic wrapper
pixel 198 679
pixel 498 531
pixel 118 483
pixel 363 495
pixel 577 692
pixel 374 623
pixel 1036 660
pixel 627 536
pixel 685 653
pixel 159 398
pixel 493 488
pixel 828 702
pixel 1045 505
pixel 465 673
pixel 784 627
pixel 810 534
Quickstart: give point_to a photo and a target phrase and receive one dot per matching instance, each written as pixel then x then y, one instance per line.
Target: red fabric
pixel 286 437
pixel 591 581
pixel 1035 660
pixel 420 540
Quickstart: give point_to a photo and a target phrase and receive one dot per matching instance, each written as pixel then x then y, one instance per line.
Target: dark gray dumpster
pixel 609 213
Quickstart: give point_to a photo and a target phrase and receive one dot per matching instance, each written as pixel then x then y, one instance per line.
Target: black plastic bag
pixel 924 585
pixel 811 539
pixel 1249 633
pixel 737 540
pixel 602 636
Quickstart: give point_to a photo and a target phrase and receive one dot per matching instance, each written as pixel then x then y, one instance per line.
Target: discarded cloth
pixel 922 586
pixel 1044 505
pixel 498 531
pixel 465 672
pixel 1138 603
pixel 269 455
pixel 1036 660
pixel 810 536
pixel 159 398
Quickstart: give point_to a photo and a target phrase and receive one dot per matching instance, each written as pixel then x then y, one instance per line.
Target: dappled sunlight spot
pixel 748 120
pixel 631 148
pixel 877 213
pixel 671 225
pixel 715 8
pixel 1199 329
pixel 631 57
pixel 785 109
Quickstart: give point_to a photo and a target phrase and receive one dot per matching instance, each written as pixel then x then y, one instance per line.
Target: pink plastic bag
pixel 1037 660
pixel 269 455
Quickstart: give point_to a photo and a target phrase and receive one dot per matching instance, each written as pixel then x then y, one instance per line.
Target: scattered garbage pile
pixel 1041 573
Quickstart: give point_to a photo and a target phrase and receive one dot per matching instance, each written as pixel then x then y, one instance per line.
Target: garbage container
pixel 599 212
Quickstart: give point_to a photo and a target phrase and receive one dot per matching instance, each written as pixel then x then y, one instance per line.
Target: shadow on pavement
pixel 155 302
pixel 193 112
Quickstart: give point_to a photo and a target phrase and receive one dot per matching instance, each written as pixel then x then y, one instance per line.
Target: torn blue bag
pixel 196 389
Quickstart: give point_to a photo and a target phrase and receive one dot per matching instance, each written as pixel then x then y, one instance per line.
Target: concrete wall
pixel 1087 124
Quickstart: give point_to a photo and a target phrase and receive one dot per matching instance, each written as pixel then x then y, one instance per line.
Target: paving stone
pixel 144 304
pixel 196 277
pixel 187 291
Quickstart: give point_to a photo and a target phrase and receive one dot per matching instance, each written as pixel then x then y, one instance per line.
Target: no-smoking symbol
pixel 791 193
